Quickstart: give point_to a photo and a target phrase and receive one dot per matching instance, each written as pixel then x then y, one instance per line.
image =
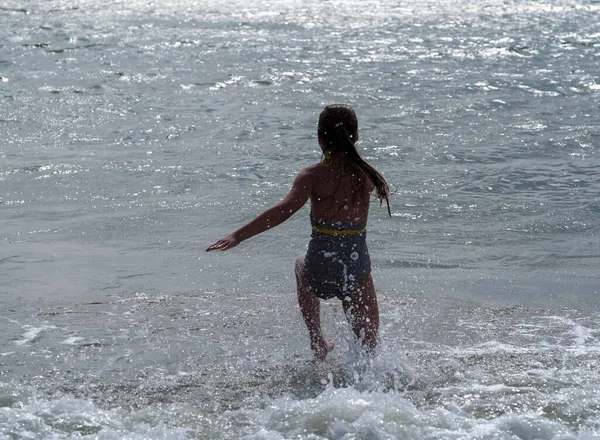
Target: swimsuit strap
pixel 338 231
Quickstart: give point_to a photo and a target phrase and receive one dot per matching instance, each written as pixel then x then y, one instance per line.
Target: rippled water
pixel 133 134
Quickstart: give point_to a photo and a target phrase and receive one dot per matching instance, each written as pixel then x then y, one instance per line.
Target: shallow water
pixel 135 134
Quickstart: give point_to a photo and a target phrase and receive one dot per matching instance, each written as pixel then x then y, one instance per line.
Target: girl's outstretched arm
pixel 272 217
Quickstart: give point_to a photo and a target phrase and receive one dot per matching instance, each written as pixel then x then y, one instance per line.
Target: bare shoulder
pixel 312 169
pixel 308 173
pixel 304 179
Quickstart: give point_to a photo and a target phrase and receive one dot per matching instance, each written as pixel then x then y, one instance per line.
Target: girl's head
pixel 338 133
pixel 338 128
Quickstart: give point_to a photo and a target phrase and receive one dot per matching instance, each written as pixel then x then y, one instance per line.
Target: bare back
pixel 340 192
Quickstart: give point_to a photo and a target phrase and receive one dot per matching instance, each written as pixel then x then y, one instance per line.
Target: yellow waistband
pixel 338 231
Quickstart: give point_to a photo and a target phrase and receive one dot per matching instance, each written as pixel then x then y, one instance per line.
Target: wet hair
pixel 338 128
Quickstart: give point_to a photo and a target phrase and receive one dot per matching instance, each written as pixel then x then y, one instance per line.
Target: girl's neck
pixel 335 159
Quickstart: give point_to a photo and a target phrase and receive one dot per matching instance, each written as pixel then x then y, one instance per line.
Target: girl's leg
pixel 364 314
pixel 310 307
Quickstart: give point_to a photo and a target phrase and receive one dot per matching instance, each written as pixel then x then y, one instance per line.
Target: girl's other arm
pixel 272 217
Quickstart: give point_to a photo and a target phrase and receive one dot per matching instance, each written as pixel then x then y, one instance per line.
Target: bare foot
pixel 321 348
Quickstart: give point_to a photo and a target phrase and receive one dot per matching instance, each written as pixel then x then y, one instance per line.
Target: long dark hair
pixel 338 127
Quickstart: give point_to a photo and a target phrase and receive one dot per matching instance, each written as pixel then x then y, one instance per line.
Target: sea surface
pixel 135 133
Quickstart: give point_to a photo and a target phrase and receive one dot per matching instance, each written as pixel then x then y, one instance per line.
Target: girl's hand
pixel 224 243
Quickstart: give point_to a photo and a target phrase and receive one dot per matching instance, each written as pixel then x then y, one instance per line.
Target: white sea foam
pixel 73 340
pixel 347 413
pixel 64 416
pixel 33 333
pixel 336 413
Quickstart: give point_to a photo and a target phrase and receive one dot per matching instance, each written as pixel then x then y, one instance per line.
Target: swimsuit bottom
pixel 337 259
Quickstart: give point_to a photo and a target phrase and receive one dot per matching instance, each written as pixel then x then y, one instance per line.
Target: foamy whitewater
pixel 133 134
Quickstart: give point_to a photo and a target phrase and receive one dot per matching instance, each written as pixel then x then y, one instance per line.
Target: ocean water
pixel 133 134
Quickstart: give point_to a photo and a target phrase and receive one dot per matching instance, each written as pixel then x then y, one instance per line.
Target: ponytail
pixel 338 126
pixel 382 191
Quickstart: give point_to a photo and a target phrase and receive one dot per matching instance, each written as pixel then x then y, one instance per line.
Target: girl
pixel 337 262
